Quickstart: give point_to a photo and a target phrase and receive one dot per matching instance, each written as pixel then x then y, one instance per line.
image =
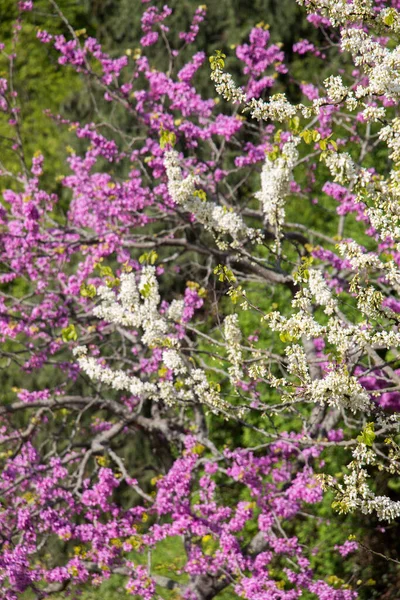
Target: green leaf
pixel 201 194
pixel 88 291
pixel 307 136
pixel 217 61
pixel 389 18
pixel 286 337
pixel 167 137
pixel 105 271
pixel 316 136
pixel 224 274
pixel 148 257
pixel 145 290
pixel 294 123
pixel 367 435
pixel 69 334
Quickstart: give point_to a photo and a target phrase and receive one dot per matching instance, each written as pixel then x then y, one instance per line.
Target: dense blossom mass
pixel 200 319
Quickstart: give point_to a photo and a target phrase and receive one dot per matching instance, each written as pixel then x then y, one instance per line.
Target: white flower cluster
pixel 385 214
pixel 355 493
pixel 337 388
pixel 320 291
pixel 359 259
pixel 343 336
pixel 366 261
pixel 195 388
pixel 342 167
pixel 116 379
pixel 209 395
pixel 217 219
pixel 385 217
pixel 385 508
pixel 277 108
pixel 372 114
pixel 180 189
pixel 391 136
pixel 295 326
pixel 341 11
pixel 233 338
pixel 173 361
pixel 226 87
pixel 337 91
pixel 136 305
pixel 369 302
pixel 297 363
pixel 175 310
pixel 380 64
pixel 276 176
pixel 341 390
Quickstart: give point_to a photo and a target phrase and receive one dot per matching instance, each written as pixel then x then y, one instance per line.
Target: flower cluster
pixel 276 176
pixel 218 219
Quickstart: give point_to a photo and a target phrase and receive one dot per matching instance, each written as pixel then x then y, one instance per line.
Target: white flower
pixel 173 361
pixel 341 166
pixel 217 219
pixel 233 338
pixel 276 176
pixel 321 292
pixel 341 390
pixel 337 91
pixel 117 379
pixel 175 310
pixel 79 351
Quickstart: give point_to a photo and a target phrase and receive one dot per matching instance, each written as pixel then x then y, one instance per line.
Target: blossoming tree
pixel 222 264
